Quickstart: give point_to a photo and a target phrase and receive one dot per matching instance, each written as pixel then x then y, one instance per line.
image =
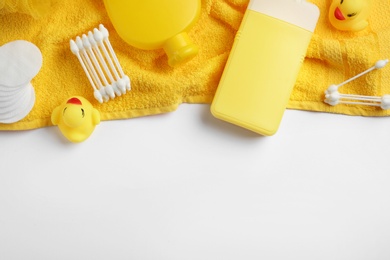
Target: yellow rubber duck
pixel 76 118
pixel 349 15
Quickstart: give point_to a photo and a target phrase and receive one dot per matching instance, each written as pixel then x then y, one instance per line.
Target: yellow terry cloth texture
pixel 333 56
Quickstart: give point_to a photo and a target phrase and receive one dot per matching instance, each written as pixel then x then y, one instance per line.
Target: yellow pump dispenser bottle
pixel 155 24
pixel 264 62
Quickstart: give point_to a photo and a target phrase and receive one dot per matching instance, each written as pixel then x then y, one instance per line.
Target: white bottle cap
pixel 297 12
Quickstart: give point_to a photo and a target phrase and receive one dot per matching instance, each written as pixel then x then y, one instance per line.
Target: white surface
pixel 187 186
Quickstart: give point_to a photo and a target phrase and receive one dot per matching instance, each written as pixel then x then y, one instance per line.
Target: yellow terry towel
pixel 333 56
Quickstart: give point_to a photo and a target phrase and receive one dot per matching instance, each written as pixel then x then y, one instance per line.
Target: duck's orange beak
pixel 338 14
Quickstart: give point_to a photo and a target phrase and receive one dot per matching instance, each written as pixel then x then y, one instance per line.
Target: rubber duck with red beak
pixel 349 15
pixel 76 118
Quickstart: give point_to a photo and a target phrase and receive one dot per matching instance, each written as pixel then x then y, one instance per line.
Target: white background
pixel 185 185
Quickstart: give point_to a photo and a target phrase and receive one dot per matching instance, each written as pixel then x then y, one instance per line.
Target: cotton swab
pixel 334 97
pixel 101 66
pixel 107 72
pixel 101 37
pixel 104 31
pixel 88 48
pixel 91 69
pixel 75 50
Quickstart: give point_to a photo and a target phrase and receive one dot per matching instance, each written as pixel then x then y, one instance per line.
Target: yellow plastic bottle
pixel 155 24
pixel 264 62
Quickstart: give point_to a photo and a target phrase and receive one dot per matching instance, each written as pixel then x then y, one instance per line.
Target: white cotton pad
pixel 11 95
pixel 20 61
pixel 11 90
pixel 13 104
pixel 21 109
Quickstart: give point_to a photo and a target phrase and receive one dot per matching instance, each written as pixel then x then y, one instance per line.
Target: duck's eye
pixel 342 1
pixel 351 15
pixel 82 112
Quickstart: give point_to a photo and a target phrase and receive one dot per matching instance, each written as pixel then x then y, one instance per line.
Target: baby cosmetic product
pixel 264 63
pixel 155 24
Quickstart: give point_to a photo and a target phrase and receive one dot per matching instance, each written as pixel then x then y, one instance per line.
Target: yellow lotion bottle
pixel 264 62
pixel 155 24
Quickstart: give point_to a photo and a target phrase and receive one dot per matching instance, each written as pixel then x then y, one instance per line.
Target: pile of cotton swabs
pixel 334 97
pixel 100 64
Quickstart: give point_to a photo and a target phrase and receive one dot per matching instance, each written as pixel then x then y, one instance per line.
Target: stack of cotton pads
pixel 20 61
